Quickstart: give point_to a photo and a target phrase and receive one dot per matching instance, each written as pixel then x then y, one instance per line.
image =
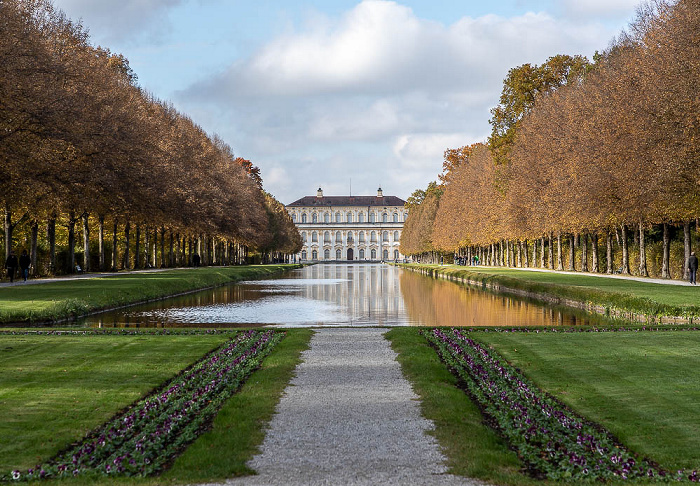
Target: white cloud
pixel 377 91
pixel 600 8
pixel 122 20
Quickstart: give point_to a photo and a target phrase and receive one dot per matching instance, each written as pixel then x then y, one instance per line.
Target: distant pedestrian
pixel 11 265
pixel 692 267
pixel 196 260
pixel 24 263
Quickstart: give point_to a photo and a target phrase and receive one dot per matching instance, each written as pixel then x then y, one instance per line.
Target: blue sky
pixel 319 93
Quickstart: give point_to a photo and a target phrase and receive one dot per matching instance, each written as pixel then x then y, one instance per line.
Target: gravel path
pixel 349 418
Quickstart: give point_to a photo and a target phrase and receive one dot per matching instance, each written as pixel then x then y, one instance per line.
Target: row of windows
pixel 350 238
pixel 349 255
pixel 348 218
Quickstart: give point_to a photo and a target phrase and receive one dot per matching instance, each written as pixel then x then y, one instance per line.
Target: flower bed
pixel 549 438
pixel 145 437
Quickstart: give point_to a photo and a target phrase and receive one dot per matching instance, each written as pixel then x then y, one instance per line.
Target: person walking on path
pixel 692 267
pixel 11 265
pixel 24 264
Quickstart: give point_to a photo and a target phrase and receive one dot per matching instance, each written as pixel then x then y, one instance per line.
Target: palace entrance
pixel 351 254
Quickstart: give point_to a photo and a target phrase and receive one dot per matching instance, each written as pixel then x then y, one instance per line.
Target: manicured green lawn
pixel 75 297
pixel 644 386
pixel 53 389
pixel 631 295
pixel 472 449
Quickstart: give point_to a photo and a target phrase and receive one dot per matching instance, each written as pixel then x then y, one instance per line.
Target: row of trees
pixel 583 156
pixel 82 144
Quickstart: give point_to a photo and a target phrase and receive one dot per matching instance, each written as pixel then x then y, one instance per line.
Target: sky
pixel 344 95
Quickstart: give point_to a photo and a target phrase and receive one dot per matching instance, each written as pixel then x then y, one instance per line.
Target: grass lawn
pixel 643 387
pixel 53 389
pixel 631 295
pixel 74 297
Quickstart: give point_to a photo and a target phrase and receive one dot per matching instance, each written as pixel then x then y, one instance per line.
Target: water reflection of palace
pixel 370 293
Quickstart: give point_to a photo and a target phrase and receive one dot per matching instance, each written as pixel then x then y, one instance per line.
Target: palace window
pixel 303 236
pixel 361 217
pixel 303 218
pixel 314 237
pixel 327 237
pixel 385 236
pixel 326 254
pixel 386 254
pixel 373 237
pixel 314 255
pixel 337 217
pixel 374 254
pixel 326 218
pixel 314 218
pixel 405 217
pixel 294 217
pixel 362 237
pixel 396 217
pixel 338 237
pixel 338 254
pixel 372 218
pixel 350 239
pixel 303 255
pixel 396 236
pixel 349 217
pixel 396 254
pixel 362 254
pixel 385 218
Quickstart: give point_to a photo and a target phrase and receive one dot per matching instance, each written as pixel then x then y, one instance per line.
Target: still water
pixel 339 295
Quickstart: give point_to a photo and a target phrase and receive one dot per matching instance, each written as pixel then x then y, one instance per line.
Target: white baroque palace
pixel 349 228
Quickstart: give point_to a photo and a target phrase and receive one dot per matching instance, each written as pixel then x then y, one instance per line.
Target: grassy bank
pixel 641 386
pixel 53 389
pixel 53 301
pixel 610 295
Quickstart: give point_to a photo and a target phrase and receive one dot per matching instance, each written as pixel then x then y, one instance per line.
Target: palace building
pixel 349 228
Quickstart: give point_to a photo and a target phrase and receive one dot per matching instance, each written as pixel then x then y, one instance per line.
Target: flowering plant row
pixel 116 332
pixel 551 439
pixel 141 440
pixel 570 330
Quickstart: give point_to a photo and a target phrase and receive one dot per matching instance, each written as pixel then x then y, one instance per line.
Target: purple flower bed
pixel 549 438
pixel 145 437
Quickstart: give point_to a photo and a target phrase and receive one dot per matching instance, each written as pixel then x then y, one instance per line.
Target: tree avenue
pixel 590 166
pixel 84 151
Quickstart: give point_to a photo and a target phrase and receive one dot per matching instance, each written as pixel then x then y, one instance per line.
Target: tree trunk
pixel 642 252
pixel 101 241
pixel 666 254
pixel 560 259
pixel 178 251
pixel 8 231
pixel 584 252
pixel 572 267
pixel 189 251
pixel 127 244
pixel 34 247
pixel 51 236
pixel 625 252
pixel 550 250
pixel 114 247
pixel 171 256
pixel 155 248
pixel 687 249
pixel 137 249
pixel 162 247
pixel 608 252
pixel 147 247
pixel 86 242
pixel 526 261
pixel 594 253
pixel 71 241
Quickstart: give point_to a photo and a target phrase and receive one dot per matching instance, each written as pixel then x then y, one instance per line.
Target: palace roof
pixel 325 201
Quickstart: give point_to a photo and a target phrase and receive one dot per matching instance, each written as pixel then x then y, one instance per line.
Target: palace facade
pixel 349 228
